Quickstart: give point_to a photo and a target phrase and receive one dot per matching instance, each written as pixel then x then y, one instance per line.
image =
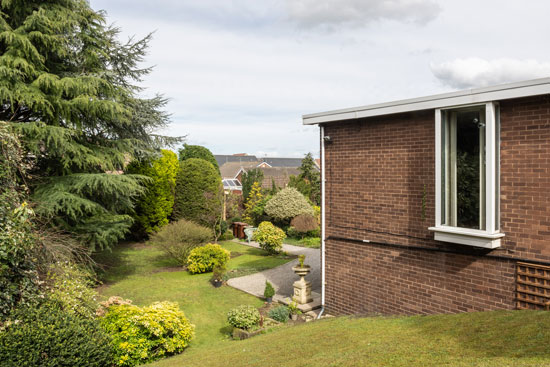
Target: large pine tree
pixel 71 89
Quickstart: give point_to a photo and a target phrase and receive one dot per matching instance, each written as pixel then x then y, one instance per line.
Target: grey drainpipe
pixel 322 222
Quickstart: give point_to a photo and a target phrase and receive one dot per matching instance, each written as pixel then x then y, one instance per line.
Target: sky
pixel 240 74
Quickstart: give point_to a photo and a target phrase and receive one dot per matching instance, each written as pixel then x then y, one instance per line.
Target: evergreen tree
pixel 198 151
pixel 155 207
pixel 249 178
pixel 308 182
pixel 70 88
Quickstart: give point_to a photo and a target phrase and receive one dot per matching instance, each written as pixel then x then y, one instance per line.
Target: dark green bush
pixel 227 235
pixel 144 334
pixel 199 193
pixel 280 313
pixel 155 207
pixel 269 291
pixel 203 259
pixel 177 239
pixel 197 151
pixel 244 317
pixel 47 336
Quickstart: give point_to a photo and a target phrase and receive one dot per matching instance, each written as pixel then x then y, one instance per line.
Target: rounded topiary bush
pixel 199 195
pixel 287 204
pixel 244 317
pixel 269 237
pixel 145 334
pixel 203 259
pixel 177 239
pixel 198 151
pixel 47 336
pixel 304 223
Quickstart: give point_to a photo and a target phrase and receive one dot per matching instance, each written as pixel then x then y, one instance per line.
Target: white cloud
pixel 477 72
pixel 329 13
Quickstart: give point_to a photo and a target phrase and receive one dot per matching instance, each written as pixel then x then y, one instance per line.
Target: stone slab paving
pixel 282 276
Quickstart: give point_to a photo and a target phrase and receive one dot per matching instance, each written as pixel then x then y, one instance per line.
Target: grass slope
pixel 144 275
pixel 485 339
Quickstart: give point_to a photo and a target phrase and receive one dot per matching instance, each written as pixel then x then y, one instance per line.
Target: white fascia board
pixel 472 96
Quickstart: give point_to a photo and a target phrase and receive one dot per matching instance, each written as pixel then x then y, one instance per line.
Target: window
pixel 467 175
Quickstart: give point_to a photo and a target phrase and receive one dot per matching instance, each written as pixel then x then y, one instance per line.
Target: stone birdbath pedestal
pixel 302 287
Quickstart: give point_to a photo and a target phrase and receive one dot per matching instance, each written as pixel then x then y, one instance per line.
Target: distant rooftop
pixel 244 158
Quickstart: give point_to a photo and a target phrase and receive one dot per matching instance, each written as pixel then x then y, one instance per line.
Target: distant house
pixel 275 169
pixel 437 204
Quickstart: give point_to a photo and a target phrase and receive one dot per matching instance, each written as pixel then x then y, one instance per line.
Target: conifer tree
pixel 71 90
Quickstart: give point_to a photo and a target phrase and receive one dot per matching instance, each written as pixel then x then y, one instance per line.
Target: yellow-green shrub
pixel 144 334
pixel 287 204
pixel 269 237
pixel 203 259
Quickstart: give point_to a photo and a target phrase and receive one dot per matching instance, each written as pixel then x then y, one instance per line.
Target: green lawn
pixel 144 275
pixel 315 243
pixel 485 339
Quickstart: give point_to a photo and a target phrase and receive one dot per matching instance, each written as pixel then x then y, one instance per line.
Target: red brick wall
pixel 380 175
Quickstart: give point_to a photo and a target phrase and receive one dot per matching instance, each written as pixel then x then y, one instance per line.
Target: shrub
pixel 287 204
pixel 177 239
pixel 218 272
pixel 197 151
pixel 71 287
pixel 280 313
pixel 269 237
pixel 249 178
pixel 47 336
pixel 203 259
pixel 304 223
pixel 243 317
pixel 227 236
pixel 252 200
pixel 312 242
pixel 199 193
pixel 144 334
pixel 269 291
pixel 155 206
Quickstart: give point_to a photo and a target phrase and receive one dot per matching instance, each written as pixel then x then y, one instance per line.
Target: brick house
pixel 438 204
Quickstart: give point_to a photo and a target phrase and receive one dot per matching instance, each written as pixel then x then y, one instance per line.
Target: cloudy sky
pixel 241 73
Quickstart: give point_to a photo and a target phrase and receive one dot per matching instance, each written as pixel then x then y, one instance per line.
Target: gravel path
pixel 282 276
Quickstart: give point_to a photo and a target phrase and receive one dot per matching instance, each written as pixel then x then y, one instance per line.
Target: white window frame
pixel 491 235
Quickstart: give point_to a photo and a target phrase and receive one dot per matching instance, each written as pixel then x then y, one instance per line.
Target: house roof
pixel 282 162
pixel 281 176
pixel 469 96
pixel 241 157
pixel 231 169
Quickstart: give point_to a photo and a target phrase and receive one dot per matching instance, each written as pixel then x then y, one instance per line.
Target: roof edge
pixel 469 96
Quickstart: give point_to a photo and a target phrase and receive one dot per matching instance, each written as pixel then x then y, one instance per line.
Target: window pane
pixel 470 169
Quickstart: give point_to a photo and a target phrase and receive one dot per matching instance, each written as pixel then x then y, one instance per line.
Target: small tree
pixel 197 191
pixel 255 196
pixel 308 182
pixel 155 206
pixel 198 151
pixel 287 204
pixel 249 178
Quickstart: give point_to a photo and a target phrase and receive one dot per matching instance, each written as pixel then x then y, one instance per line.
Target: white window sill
pixel 469 237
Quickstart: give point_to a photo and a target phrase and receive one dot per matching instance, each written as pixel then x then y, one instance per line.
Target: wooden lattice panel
pixel 532 287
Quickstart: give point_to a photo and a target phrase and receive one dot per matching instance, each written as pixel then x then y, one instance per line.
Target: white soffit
pixel 469 96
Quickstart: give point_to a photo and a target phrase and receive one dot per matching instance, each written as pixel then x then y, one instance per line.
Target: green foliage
pixel 198 193
pixel 269 291
pixel 218 272
pixel 203 259
pixel 227 235
pixel 70 88
pixel 155 207
pixel 308 182
pixel 301 260
pixel 177 239
pixel 255 205
pixel 287 204
pixel 280 314
pixel 248 179
pixel 19 283
pixel 144 334
pixel 71 287
pixel 233 205
pixel 311 242
pixel 269 237
pixel 293 308
pixel 197 151
pixel 304 223
pixel 243 317
pixel 47 336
